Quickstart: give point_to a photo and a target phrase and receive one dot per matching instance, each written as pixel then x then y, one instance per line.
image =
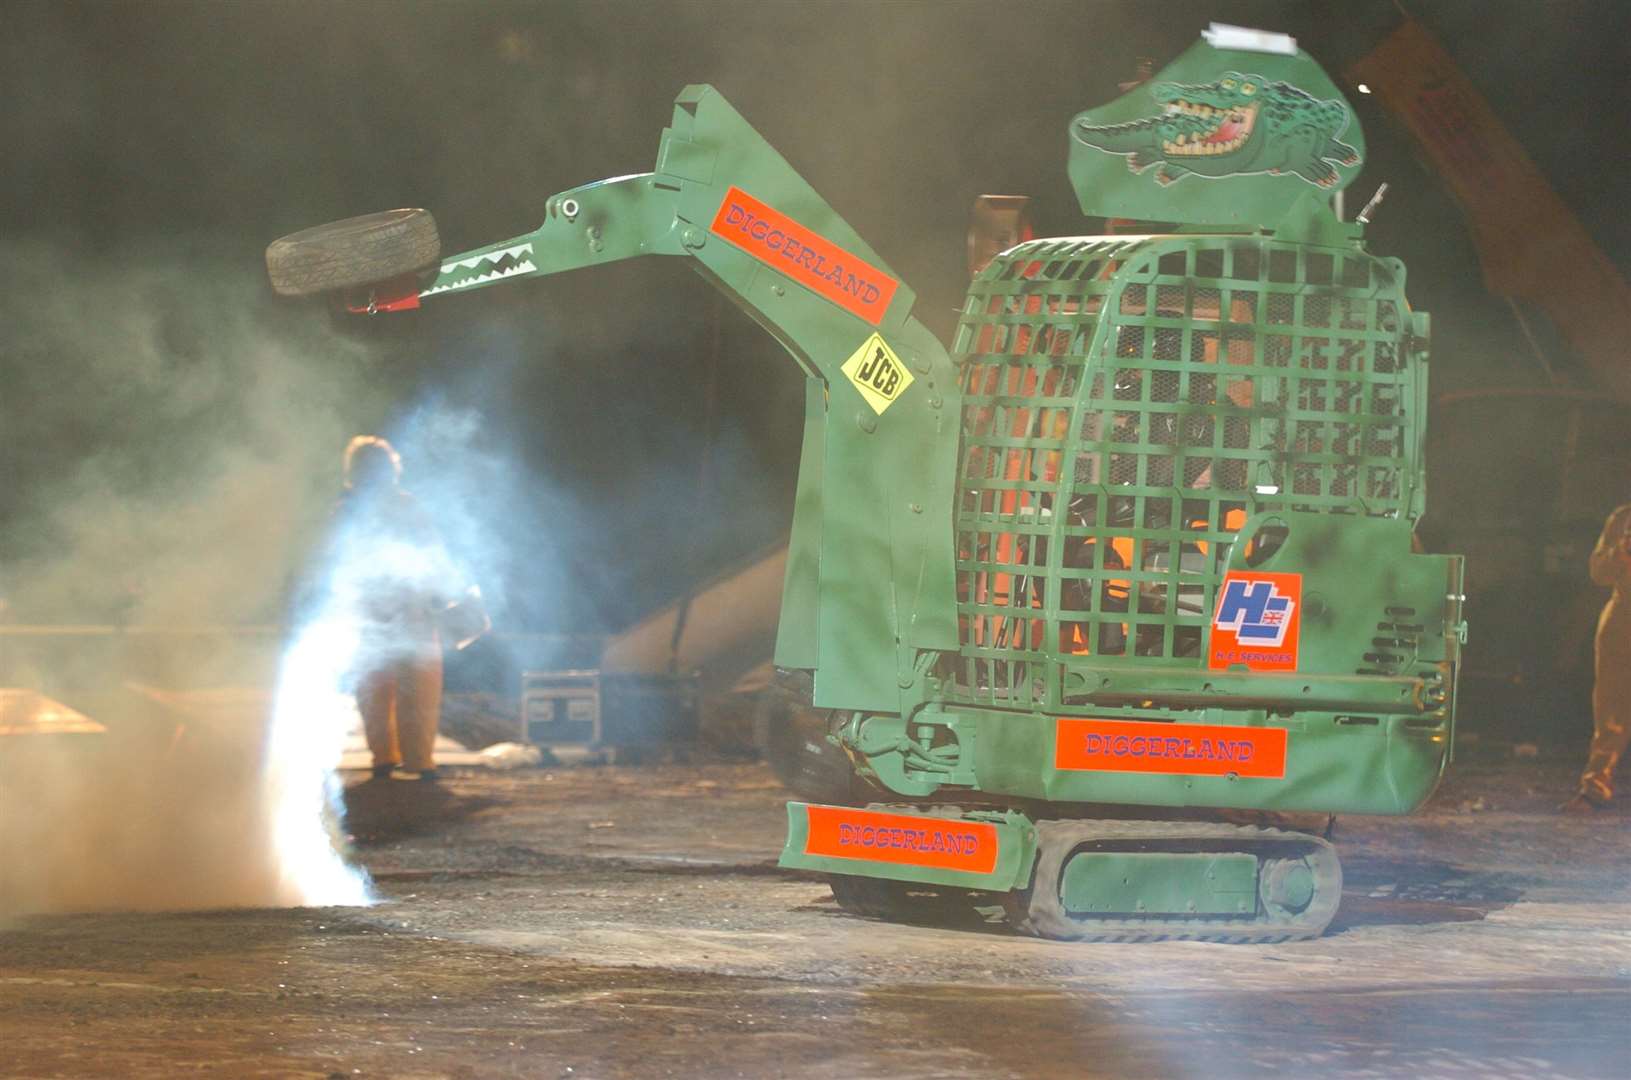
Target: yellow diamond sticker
pixel 877 373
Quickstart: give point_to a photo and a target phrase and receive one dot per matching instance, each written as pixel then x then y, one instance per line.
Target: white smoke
pixel 182 433
pixel 311 714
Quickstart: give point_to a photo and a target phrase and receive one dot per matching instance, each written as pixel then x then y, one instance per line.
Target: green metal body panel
pixel 1335 763
pixel 798 645
pixel 1219 137
pixel 1014 834
pixel 1161 883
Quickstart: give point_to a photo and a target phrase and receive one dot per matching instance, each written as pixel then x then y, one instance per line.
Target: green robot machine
pixel 1076 606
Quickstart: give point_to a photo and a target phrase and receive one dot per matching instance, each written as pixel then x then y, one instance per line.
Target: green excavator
pixel 1085 613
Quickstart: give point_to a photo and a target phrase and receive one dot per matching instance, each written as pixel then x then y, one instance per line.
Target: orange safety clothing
pixel 393 564
pixel 400 699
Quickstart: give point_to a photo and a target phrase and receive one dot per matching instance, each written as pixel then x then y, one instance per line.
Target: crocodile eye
pixel 1228 84
pixel 1248 88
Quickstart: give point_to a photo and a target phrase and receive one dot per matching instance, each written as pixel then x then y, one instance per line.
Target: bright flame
pixel 310 718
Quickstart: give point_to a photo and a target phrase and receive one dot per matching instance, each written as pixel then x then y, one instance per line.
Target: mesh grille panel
pixel 1023 345
pixel 1126 405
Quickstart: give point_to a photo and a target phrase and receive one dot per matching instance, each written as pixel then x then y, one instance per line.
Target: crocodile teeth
pixel 525 266
pixel 495 257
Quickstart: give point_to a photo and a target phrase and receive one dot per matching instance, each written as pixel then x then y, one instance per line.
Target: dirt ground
pixel 630 922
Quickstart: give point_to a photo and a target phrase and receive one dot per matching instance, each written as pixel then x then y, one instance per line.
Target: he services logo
pixel 1258 622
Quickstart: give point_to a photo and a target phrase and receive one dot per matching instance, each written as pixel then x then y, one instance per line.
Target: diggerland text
pixel 911 839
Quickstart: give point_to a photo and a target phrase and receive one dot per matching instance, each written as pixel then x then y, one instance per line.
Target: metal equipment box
pixel 595 708
pixel 560 708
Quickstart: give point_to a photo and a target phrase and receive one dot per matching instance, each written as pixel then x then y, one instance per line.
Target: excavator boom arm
pixel 870 580
pixel 606 221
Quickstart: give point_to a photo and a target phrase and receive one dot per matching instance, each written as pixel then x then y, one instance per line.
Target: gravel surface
pixel 631 922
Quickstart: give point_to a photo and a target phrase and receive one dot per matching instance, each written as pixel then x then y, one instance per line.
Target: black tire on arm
pixel 355 252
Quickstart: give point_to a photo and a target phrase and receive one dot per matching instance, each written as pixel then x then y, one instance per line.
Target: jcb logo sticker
pixel 877 373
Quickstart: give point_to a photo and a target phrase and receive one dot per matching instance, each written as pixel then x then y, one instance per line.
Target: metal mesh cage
pixel 1127 404
pixel 1023 343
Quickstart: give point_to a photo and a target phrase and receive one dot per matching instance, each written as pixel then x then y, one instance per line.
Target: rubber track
pixel 1033 914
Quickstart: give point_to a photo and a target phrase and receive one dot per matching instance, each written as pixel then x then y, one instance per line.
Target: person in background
pixel 395 575
pixel 1611 693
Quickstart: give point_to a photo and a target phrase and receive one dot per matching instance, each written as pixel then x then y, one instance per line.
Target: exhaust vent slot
pixel 1393 649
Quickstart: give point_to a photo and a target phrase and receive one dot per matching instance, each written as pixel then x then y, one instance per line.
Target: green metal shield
pixel 1219 137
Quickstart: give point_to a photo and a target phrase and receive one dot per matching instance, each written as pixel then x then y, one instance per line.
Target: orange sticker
pixel 944 843
pixel 1258 622
pixel 805 256
pixel 1183 749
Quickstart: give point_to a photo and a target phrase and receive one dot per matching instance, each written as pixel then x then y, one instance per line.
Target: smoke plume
pixel 183 433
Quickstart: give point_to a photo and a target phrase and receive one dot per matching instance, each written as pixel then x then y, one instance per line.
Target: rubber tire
pixel 870 898
pixel 795 743
pixel 905 902
pixel 355 252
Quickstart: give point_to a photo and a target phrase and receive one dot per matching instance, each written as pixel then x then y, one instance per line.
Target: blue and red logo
pixel 1257 621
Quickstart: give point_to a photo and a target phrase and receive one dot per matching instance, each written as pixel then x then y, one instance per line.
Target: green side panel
pixel 884 479
pixel 1160 883
pixel 1345 763
pixel 722 150
pixel 797 643
pixel 887 568
pixel 1219 137
pixel 1370 606
pixel 1016 853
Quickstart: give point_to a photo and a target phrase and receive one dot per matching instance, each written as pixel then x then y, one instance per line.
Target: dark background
pixel 154 150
